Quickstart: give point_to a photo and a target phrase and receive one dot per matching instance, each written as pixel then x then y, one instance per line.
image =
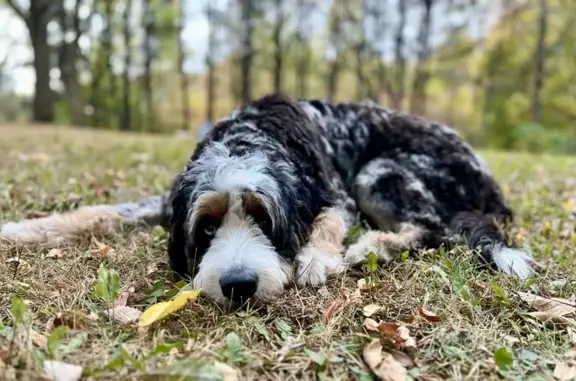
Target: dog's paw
pixel 313 267
pixel 372 241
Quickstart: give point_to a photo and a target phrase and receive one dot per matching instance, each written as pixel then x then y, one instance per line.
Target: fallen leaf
pixel 560 321
pixel 408 342
pixel 22 265
pixel 55 254
pixel 571 334
pixel 332 309
pixel 409 319
pixel 370 309
pixel 383 364
pixel 103 192
pixel 34 214
pixel 159 310
pixel 228 373
pixel 122 299
pixel 565 369
pixel 389 330
pixel 124 315
pixel 363 285
pixel 552 306
pixel 38 339
pixel 403 358
pixel 102 251
pixel 370 325
pixel 428 315
pixel 477 284
pixel 503 359
pixel 356 295
pixel 61 371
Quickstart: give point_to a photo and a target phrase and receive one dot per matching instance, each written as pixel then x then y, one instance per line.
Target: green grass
pixel 47 169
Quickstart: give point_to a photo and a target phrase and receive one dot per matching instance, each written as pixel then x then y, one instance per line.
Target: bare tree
pixel 278 44
pixel 186 114
pixel 418 101
pixel 539 60
pixel 247 50
pixel 210 61
pixel 126 114
pixel 360 49
pixel 400 60
pixel 36 18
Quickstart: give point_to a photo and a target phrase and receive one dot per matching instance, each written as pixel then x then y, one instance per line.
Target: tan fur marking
pixel 212 204
pixel 328 233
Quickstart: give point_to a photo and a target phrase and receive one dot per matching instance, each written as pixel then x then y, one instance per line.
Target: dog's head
pixel 240 211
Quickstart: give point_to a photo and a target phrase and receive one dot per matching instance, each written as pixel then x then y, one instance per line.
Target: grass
pixel 48 169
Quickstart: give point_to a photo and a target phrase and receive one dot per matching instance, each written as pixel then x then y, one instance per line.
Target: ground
pixel 479 326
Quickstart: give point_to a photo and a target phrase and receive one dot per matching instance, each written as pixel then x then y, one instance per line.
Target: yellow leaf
pixel 370 309
pixel 159 310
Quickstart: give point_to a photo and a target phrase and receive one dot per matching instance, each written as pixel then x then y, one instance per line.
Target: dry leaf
pixel 38 339
pixel 565 369
pixel 409 319
pixel 61 371
pixel 408 342
pixel 103 192
pixel 124 315
pixel 159 310
pixel 55 254
pixel 403 358
pixel 363 285
pixel 389 330
pixel 428 315
pixel 477 284
pixel 356 295
pixel 228 373
pixel 370 309
pixel 32 215
pixel 560 321
pixel 552 306
pixel 102 251
pixel 23 265
pixel 383 364
pixel 332 309
pixel 370 325
pixel 571 334
pixel 122 299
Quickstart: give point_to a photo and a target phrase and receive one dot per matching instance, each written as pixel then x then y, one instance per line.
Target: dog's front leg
pixel 323 254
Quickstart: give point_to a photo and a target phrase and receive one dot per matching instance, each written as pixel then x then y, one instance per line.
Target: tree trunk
pixel 210 63
pixel 247 52
pixel 303 62
pixel 400 60
pixel 186 115
pixel 126 115
pixel 333 79
pixel 149 29
pixel 278 48
pixel 539 60
pixel 43 103
pixel 418 101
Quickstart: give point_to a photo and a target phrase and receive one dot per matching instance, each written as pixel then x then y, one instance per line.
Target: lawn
pixel 442 320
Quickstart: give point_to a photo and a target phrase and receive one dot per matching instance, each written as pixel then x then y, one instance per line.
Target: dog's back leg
pixel 73 226
pixel 399 204
pixel 411 218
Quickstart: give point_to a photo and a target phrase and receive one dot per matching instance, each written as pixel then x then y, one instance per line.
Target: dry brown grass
pixel 47 169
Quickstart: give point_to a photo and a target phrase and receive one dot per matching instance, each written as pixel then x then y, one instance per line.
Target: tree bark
pixel 400 60
pixel 149 30
pixel 418 101
pixel 539 60
pixel 247 52
pixel 303 62
pixel 278 46
pixel 126 114
pixel 186 114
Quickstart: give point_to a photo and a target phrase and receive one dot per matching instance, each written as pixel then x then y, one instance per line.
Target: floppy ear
pixel 176 234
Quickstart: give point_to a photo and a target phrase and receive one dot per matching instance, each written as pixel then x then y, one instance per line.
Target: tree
pixel 149 52
pixel 400 60
pixel 126 114
pixel 36 18
pixel 539 60
pixel 418 101
pixel 186 114
pixel 210 13
pixel 247 49
pixel 278 44
pixel 336 46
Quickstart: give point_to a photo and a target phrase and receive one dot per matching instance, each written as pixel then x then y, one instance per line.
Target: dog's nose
pixel 239 284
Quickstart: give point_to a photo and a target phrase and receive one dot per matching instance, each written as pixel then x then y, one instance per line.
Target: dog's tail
pixel 482 233
pixel 97 220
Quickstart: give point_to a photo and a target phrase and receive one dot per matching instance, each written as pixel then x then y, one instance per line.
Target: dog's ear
pixel 177 239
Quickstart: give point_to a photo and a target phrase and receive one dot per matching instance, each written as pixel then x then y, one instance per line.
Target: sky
pixel 14 44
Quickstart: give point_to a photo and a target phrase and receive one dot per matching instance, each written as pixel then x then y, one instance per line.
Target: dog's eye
pixel 210 230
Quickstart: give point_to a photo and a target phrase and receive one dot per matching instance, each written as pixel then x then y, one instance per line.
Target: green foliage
pixel 108 286
pixel 503 359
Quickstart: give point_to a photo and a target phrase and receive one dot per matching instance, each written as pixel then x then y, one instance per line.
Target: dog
pixel 270 193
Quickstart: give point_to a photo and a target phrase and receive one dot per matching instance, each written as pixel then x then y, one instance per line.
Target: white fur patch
pixel 513 261
pixel 239 242
pixel 371 241
pixel 313 267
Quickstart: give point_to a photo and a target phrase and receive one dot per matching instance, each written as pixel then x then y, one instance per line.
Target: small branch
pixel 19 11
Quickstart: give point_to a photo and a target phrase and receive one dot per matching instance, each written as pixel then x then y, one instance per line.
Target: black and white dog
pixel 270 193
